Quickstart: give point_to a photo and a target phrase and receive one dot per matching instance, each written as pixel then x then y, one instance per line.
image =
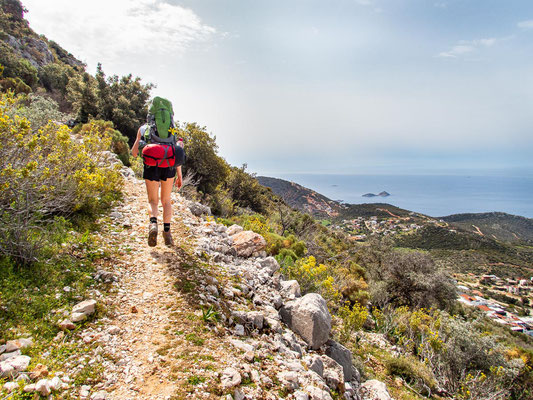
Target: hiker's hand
pixel 178 182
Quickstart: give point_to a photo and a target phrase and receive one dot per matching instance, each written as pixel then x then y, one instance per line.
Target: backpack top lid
pixel 161 111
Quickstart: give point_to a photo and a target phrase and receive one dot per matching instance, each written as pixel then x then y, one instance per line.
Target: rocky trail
pixel 208 318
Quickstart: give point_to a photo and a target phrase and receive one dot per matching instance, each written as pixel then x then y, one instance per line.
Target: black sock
pixel 153 220
pixel 166 226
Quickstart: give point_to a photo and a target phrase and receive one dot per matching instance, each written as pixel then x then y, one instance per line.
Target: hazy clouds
pixel 341 86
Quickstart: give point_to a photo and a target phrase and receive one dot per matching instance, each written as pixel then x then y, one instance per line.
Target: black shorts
pixel 158 174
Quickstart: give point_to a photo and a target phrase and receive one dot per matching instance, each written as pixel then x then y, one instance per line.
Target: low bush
pixel 119 142
pixel 47 174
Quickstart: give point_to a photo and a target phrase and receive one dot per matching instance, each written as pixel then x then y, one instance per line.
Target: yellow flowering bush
pixel 45 174
pixel 353 319
pixel 314 277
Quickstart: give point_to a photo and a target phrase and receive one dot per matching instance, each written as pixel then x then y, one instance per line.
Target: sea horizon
pixel 433 195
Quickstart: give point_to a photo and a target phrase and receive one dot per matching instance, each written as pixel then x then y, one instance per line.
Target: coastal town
pixel 505 301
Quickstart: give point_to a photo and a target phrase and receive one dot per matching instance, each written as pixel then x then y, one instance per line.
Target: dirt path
pixel 161 347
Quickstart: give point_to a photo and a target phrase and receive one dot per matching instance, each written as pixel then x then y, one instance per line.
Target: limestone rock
pixel 315 363
pixel 67 324
pixel 333 374
pixel 318 394
pixel 199 209
pixel 14 365
pixel 101 395
pixel 309 317
pixel 233 229
pixel 43 387
pixel 290 289
pixel 374 390
pixel 341 355
pixel 230 378
pixel 86 307
pixel 17 344
pixel 10 386
pixel 246 243
pixel 78 317
pixel 270 264
pixel 39 371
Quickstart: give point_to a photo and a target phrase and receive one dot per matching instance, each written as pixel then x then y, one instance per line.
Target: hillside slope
pixel 302 198
pixel 497 225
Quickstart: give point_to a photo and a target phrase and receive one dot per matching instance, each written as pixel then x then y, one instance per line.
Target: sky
pixel 334 87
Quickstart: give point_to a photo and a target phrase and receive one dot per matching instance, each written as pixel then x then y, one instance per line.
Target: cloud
pixel 525 24
pixel 441 4
pixel 103 30
pixel 464 47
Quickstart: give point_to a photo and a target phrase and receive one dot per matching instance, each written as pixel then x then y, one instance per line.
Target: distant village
pixel 360 228
pixel 517 291
pixel 502 300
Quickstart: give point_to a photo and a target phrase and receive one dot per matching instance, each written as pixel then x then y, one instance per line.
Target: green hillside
pixel 497 225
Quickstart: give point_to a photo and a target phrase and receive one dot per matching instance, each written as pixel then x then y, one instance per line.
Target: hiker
pixel 162 158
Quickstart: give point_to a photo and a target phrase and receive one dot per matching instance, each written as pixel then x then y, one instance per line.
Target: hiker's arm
pixel 179 179
pixel 135 148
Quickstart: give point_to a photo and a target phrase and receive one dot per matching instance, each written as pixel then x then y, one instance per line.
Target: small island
pixel 382 194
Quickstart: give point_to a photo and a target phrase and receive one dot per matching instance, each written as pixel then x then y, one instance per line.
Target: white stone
pixel 374 390
pixel 86 307
pixel 239 344
pixel 317 394
pixel 290 289
pixel 55 383
pixel 299 395
pixel 234 229
pixel 13 345
pixel 29 388
pixel 101 395
pixel 43 387
pixel 20 363
pixel 10 386
pixel 230 378
pixel 78 317
pixel 309 317
pixel 239 330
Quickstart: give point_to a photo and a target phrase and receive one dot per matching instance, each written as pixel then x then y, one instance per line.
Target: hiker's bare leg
pixel 152 188
pixel 166 190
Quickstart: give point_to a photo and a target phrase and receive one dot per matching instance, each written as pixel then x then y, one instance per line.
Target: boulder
pixel 341 355
pixel 233 229
pixel 374 390
pixel 309 317
pixel 247 243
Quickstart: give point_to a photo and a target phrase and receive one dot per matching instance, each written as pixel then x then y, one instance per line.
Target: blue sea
pixel 433 195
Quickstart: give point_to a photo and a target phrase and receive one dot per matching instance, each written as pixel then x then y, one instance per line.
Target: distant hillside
pixel 496 225
pixel 302 198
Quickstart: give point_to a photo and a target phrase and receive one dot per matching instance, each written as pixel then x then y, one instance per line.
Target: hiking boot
pixel 168 238
pixel 152 234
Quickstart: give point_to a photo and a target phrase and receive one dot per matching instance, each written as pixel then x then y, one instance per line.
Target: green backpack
pixel 160 118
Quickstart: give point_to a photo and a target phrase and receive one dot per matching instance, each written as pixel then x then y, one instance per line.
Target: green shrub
pixel 413 372
pixel 55 76
pixel 119 143
pixel 39 111
pixel 46 174
pixel 353 319
pixel 202 159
